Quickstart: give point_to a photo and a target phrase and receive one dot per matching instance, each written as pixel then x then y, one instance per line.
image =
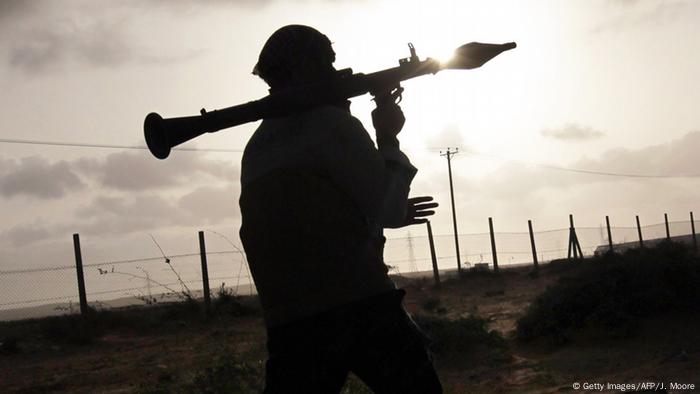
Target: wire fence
pixel 38 292
pixel 513 248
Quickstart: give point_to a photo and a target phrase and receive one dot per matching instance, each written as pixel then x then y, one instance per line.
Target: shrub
pixel 615 292
pixel 226 375
pixel 77 329
pixel 9 345
pixel 466 339
pixel 228 303
pixel 430 304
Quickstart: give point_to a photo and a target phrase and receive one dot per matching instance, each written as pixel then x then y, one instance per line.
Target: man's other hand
pixel 417 208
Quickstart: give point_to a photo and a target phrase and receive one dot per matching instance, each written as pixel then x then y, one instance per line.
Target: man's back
pixel 310 223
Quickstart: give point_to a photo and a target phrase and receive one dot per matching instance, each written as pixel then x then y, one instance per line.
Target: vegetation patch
pixel 9 345
pixel 615 293
pixel 431 304
pixel 155 318
pixel 463 341
pixel 226 374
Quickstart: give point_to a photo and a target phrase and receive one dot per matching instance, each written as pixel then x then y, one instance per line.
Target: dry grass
pixel 179 347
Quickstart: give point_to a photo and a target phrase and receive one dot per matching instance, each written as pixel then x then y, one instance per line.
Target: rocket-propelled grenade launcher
pixel 163 134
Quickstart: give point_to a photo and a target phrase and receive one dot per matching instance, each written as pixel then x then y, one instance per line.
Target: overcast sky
pixel 607 86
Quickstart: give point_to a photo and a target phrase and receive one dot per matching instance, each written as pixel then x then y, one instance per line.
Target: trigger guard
pixel 398 95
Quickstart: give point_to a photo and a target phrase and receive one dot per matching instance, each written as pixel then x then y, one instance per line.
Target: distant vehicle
pixel 623 247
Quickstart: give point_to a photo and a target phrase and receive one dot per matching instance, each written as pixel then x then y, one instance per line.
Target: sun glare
pixel 443 55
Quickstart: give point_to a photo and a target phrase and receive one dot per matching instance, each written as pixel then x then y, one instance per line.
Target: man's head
pixel 295 55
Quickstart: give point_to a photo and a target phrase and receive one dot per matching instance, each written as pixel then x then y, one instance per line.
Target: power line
pixel 108 146
pixel 469 152
pixel 578 170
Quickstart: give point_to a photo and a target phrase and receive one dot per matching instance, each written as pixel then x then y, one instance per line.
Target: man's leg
pixel 303 359
pixel 292 374
pixel 393 357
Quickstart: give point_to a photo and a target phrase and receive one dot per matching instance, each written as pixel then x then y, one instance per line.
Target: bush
pixel 615 292
pixel 227 303
pixel 430 304
pixel 77 329
pixel 226 375
pixel 466 339
pixel 187 310
pixel 9 345
pixel 479 272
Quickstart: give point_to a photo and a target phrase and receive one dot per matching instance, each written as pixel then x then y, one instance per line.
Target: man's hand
pixel 387 119
pixel 417 208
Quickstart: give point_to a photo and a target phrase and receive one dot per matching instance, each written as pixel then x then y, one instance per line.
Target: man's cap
pixel 290 47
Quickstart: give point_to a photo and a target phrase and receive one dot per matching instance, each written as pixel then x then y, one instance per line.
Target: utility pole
pixel 411 255
pixel 449 155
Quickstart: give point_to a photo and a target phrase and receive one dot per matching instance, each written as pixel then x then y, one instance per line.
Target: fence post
pixel 692 228
pixel 668 233
pixel 436 272
pixel 205 272
pixel 532 244
pixel 573 241
pixel 639 231
pixel 493 246
pixel 610 242
pixel 81 278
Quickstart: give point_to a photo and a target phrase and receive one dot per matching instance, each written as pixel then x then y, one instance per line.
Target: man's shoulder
pixel 330 110
pixel 327 115
pixel 330 115
pixel 309 127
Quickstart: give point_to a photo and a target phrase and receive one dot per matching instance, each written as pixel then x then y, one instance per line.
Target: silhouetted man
pixel 316 194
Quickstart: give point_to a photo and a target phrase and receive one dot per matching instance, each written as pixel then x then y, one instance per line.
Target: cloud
pixel 636 13
pixel 42 35
pixel 518 180
pixel 128 192
pixel 25 234
pixel 676 158
pixel 517 191
pixel 98 43
pixel 211 204
pixel 138 194
pixel 572 132
pixel 35 177
pixel 145 212
pixel 147 207
pixel 625 3
pixel 138 171
pixel 109 215
pixel 194 4
pixel 448 137
pixel 16 8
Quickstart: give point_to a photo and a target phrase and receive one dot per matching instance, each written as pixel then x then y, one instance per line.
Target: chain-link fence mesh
pixel 37 292
pixel 513 248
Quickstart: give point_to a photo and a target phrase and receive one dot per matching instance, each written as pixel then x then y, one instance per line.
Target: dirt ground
pixel 666 350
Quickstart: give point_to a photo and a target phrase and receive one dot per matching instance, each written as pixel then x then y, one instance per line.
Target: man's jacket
pixel 316 194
